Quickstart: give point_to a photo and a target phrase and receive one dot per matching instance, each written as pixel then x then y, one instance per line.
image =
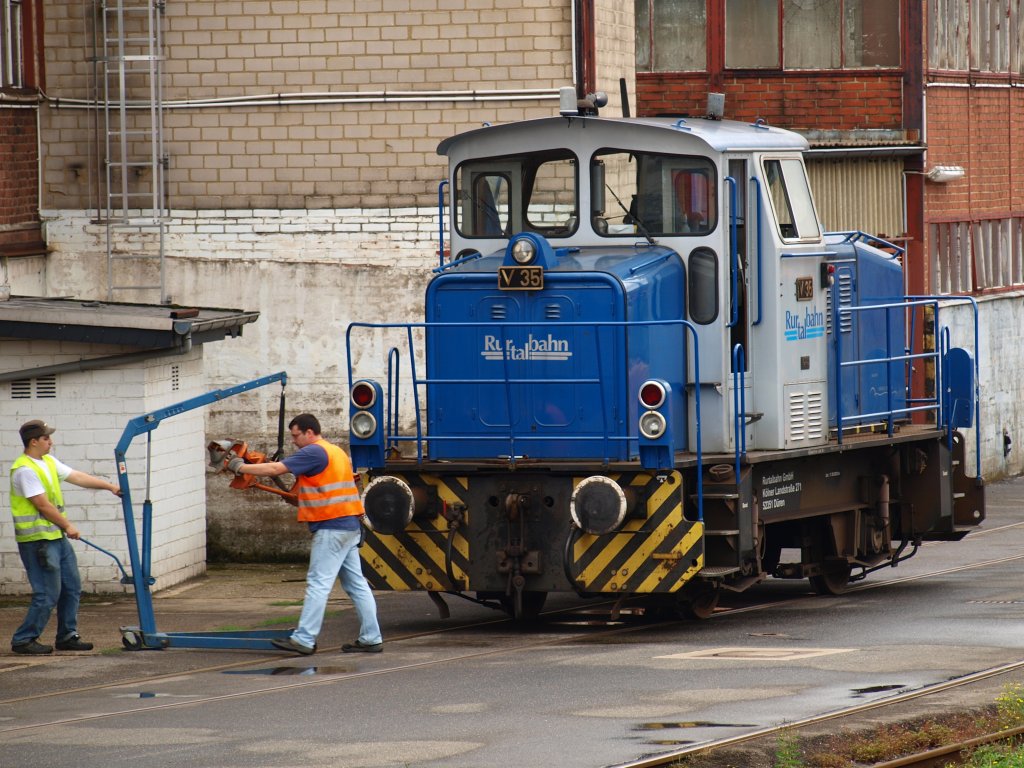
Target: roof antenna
pixel 624 95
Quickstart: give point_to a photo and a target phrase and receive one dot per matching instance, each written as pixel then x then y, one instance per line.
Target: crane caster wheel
pixel 132 641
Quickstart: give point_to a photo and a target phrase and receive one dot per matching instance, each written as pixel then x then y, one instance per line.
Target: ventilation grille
pixel 805 417
pixel 175 378
pixel 552 312
pixel 499 312
pixel 845 285
pixel 42 388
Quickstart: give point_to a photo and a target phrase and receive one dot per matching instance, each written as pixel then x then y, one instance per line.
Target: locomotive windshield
pixel 502 196
pixel 631 194
pixel 652 194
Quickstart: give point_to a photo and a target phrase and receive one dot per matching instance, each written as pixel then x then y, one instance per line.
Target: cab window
pixel 645 193
pixel 533 192
pixel 791 200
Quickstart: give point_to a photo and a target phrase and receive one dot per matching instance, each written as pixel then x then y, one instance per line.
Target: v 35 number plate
pixel 521 278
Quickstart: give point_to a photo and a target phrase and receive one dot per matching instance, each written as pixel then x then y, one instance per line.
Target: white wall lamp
pixel 942 174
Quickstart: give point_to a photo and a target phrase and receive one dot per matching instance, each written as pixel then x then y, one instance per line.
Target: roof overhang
pixel 141 327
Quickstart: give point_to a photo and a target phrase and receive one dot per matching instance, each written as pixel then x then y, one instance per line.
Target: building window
pixel 672 35
pixel 981 35
pixel 947 34
pixel 12 69
pixel 975 256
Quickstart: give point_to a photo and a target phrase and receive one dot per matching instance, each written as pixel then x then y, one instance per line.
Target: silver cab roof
pixel 654 133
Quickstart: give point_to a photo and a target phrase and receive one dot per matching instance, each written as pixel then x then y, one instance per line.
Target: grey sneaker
pixel 359 647
pixel 287 644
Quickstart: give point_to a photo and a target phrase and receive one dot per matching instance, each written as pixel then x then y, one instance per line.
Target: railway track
pixel 706 747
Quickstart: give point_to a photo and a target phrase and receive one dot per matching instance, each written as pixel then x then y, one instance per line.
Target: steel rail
pixel 928 690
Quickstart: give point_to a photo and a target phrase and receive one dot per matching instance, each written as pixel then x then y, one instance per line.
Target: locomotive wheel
pixel 833 580
pixel 700 604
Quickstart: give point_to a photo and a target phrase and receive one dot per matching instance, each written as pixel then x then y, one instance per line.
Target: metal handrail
pixel 739 403
pixel 507 381
pixel 909 303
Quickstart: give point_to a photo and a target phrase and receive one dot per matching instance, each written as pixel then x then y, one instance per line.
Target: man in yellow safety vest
pixel 42 530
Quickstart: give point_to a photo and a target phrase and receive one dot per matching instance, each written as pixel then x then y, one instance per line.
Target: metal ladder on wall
pixel 129 88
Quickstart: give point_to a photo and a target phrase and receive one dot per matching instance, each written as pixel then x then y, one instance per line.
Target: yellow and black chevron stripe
pixel 415 558
pixel 657 554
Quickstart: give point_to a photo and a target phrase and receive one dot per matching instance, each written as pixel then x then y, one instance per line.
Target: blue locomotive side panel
pixel 868 277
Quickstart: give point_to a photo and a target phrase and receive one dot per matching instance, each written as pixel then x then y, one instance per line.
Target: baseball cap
pixel 35 428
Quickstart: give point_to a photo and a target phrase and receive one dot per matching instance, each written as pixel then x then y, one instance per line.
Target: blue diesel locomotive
pixel 646 372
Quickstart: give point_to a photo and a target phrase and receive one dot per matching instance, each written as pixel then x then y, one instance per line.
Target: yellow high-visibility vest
pixel 29 525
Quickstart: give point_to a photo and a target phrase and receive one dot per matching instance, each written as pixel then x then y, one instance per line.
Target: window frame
pixel 716 23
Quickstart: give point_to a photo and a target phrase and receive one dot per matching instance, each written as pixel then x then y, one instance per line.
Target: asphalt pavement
pixel 566 696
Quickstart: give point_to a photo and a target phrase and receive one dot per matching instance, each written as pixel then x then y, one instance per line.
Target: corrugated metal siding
pixel 864 194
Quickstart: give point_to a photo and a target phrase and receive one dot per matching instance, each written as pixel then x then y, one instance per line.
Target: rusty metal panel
pixel 859 193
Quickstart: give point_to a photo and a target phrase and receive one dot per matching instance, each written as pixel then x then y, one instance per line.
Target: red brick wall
pixel 790 100
pixel 19 181
pixel 978 129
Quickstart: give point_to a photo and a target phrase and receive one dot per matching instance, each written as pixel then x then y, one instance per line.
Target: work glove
pixel 235 464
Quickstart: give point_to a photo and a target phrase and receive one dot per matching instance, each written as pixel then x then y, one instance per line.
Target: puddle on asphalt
pixel 693 724
pixel 857 692
pixel 289 671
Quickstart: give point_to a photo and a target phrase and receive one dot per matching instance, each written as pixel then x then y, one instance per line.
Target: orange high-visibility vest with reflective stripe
pixel 333 492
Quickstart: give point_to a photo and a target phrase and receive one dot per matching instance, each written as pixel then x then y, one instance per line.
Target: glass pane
pixel 703 286
pixel 810 34
pixel 791 200
pixel 656 194
pixel 642 32
pixel 872 34
pixel 551 197
pixel 680 37
pixel 752 33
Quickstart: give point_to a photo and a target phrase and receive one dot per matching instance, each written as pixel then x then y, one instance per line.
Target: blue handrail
pixel 739 403
pixel 906 356
pixel 507 382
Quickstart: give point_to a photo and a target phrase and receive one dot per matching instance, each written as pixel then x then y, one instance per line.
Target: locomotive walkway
pixel 474 692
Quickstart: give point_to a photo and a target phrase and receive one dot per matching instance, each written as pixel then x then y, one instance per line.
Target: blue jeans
pixel 334 555
pixel 53 573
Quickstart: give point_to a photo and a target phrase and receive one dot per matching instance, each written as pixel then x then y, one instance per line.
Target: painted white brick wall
pixel 90 412
pixel 1001 378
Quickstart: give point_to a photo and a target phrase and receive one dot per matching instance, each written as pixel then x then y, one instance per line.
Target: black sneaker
pixel 32 648
pixel 73 643
pixel 359 647
pixel 287 644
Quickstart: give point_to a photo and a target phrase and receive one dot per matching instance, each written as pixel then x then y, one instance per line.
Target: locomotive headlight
pixel 652 394
pixel 652 425
pixel 524 251
pixel 363 424
pixel 363 394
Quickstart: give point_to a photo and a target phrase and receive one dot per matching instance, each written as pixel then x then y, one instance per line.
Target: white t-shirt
pixel 26 482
